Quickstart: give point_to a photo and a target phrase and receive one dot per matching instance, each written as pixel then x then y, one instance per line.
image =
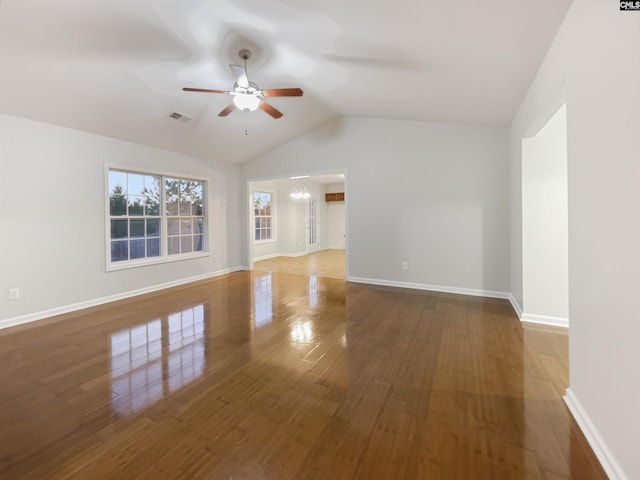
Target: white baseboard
pixel 266 257
pixel 32 317
pixel 541 319
pixel 433 288
pixel 600 448
pixel 515 305
pixel 544 320
pixel 299 254
pixel 274 255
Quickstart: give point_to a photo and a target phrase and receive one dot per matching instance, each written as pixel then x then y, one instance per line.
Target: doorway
pixel 303 224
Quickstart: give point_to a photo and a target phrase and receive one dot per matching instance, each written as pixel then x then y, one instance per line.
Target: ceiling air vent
pixel 179 116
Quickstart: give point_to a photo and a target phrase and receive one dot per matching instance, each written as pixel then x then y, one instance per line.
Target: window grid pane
pixel 136 219
pixel 262 210
pixel 312 222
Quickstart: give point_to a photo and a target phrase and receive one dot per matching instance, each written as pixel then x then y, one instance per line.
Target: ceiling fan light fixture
pixel 246 101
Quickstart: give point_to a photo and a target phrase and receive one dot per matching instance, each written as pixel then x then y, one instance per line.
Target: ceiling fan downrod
pixel 245 55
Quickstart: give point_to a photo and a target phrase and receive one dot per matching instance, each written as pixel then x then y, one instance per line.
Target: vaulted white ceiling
pixel 117 67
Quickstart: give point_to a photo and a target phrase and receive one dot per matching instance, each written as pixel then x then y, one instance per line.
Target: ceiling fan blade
pixel 241 75
pixel 275 113
pixel 228 109
pixel 205 90
pixel 282 92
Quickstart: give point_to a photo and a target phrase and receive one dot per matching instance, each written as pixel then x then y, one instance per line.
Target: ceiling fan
pixel 247 96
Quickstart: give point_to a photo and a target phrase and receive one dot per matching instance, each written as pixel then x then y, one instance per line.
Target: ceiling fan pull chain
pixel 246 112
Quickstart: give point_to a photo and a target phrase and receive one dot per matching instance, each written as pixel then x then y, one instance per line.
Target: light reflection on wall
pixel 313 291
pixel 302 332
pixel 263 300
pixel 141 355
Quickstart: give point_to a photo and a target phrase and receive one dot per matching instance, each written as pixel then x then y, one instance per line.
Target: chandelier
pixel 299 193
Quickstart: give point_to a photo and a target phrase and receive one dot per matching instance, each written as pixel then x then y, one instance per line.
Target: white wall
pixel 545 260
pixel 336 223
pixel 336 219
pixel 596 56
pixel 435 195
pixel 52 238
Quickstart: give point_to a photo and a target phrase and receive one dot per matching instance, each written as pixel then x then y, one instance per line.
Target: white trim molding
pixel 299 254
pixel 433 288
pixel 515 305
pixel 544 320
pixel 266 257
pixel 540 319
pixel 607 460
pixel 32 317
pixel 274 255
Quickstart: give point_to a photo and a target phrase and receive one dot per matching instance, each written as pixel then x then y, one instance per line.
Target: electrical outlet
pixel 14 293
pixel 405 265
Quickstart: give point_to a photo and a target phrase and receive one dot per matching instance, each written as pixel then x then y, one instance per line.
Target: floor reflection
pixel 263 300
pixel 136 367
pixel 302 332
pixel 313 291
pixel 155 358
pixel 186 347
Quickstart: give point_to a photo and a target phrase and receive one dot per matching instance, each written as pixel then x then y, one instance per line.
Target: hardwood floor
pixel 260 375
pixel 325 263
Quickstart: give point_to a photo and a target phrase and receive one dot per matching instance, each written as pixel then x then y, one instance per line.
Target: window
pixel 153 217
pixel 263 216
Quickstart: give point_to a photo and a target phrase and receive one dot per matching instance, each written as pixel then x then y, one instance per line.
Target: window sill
pixel 114 267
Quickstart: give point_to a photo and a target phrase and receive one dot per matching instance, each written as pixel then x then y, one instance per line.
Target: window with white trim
pixel 154 217
pixel 263 216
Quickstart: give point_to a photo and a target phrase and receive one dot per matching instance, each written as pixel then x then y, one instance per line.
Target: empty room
pixel 270 239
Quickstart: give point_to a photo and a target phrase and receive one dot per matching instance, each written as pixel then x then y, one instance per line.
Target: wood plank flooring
pixel 325 263
pixel 259 375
